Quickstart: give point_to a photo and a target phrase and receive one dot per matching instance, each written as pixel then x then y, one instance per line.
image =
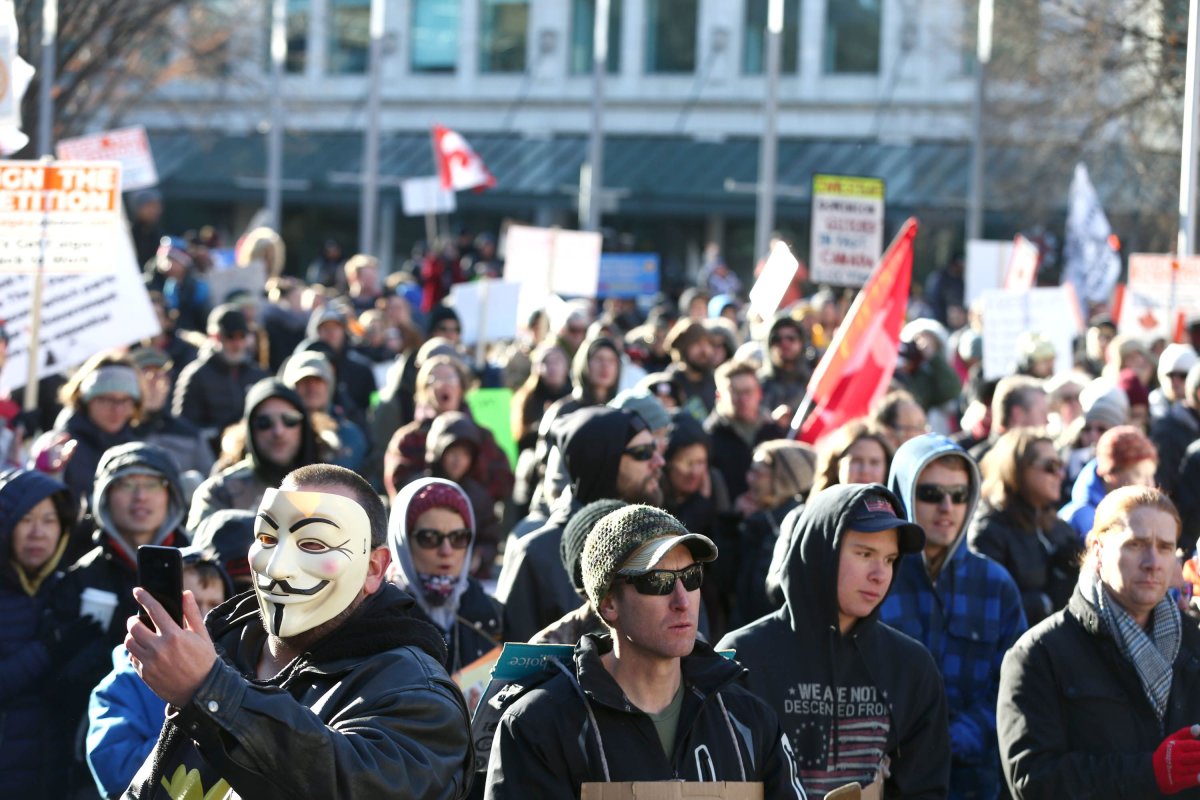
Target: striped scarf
pixel 1152 655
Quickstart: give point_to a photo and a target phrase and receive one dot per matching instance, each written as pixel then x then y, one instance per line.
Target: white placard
pixel 847 228
pixel 550 261
pixel 1146 311
pixel 987 263
pixel 486 305
pixel 82 314
pixel 129 147
pixel 1007 313
pixel 774 281
pixel 421 196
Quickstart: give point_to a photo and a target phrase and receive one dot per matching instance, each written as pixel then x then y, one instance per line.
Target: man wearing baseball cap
pixel 646 701
pixel 863 702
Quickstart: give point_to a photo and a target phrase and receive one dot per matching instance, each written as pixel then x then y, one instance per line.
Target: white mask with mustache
pixel 309 559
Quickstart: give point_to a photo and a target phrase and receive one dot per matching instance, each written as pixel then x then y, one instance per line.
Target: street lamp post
pixel 979 143
pixel 764 220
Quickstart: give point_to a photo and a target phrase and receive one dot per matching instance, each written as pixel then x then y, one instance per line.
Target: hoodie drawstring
pixel 732 737
pixel 591 716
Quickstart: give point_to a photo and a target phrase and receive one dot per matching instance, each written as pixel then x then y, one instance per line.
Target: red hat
pixel 437 495
pixel 1121 447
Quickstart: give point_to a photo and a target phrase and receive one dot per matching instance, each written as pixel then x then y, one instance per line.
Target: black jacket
pixel 1072 718
pixel 211 392
pixel 730 454
pixel 848 700
pixel 1171 434
pixel 578 726
pixel 368 712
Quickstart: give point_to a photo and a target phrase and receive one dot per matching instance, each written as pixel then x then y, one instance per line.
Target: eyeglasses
pixel 935 493
pixel 144 484
pixel 660 582
pixel 429 539
pixel 1051 466
pixel 265 422
pixel 643 452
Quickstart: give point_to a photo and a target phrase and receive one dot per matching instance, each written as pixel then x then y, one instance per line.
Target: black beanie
pixel 575 534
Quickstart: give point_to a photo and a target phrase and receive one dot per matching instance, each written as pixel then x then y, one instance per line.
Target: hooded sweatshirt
pixel 848 701
pixel 968 617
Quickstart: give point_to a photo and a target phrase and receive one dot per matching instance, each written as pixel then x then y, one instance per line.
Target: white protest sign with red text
pixel 130 147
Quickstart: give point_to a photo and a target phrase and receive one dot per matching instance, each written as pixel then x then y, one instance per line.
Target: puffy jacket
pixel 968 617
pixel 368 711
pixel 90 443
pixel 1073 720
pixel 210 392
pixel 851 698
pixel 124 719
pixel 578 726
pixel 1086 494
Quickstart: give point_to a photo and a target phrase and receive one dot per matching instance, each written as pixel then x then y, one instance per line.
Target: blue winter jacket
pixel 124 719
pixel 967 617
pixel 1086 494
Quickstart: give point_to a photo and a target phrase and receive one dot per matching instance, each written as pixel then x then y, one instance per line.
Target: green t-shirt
pixel 666 722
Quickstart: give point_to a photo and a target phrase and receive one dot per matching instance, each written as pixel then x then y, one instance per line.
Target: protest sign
pixel 1007 313
pixel 628 275
pixel 421 196
pixel 491 409
pixel 1161 289
pixel 487 309
pixel 474 677
pixel 550 261
pixel 774 280
pixel 986 266
pixel 847 228
pixel 129 147
pixel 1023 264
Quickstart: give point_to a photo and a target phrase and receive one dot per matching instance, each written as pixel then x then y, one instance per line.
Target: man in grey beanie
pixel 648 681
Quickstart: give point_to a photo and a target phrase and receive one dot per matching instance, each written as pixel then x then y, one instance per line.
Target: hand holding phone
pixel 160 572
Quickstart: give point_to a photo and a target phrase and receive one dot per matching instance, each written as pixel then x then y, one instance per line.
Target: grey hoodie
pixel 136 458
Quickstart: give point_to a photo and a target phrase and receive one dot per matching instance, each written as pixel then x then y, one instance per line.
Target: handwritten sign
pixel 847 228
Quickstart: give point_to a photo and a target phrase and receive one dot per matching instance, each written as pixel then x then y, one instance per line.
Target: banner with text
pixel 847 228
pixel 130 147
pixel 1007 313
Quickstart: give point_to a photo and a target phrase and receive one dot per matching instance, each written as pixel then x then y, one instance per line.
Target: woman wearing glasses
pixel 1017 526
pixel 431 533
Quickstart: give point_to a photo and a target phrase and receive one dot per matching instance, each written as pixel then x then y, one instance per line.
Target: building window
pixel 671 35
pixel 852 36
pixel 583 16
pixel 349 36
pixel 295 27
pixel 434 44
pixel 754 41
pixel 502 35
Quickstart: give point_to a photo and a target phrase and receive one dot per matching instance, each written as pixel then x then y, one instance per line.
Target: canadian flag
pixel 458 165
pixel 1023 264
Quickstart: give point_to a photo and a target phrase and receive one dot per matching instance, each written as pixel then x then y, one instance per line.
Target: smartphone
pixel 160 572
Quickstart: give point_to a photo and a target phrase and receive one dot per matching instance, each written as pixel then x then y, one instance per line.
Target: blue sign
pixel 629 275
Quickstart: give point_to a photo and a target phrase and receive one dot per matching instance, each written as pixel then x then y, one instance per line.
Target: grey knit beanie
pixel 576 532
pixel 617 536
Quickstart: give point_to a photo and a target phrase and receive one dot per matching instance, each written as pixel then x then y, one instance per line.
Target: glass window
pixel 434 44
pixel 754 40
pixel 852 36
pixel 349 36
pixel 295 28
pixel 502 36
pixel 671 35
pixel 583 15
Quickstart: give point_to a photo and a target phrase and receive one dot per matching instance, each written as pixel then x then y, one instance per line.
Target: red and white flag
pixel 1023 264
pixel 857 368
pixel 459 167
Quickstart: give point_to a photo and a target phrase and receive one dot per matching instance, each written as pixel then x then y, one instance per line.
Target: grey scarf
pixel 1152 655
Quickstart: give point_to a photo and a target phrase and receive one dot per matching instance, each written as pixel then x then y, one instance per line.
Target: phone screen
pixel 160 572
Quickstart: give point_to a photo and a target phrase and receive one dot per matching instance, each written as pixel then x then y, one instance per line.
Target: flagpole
pixel 1186 241
pixel 979 137
pixel 370 178
pixel 275 132
pixel 595 176
pixel 46 79
pixel 764 218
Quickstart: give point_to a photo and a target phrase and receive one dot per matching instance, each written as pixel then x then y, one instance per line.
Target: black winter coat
pixel 730 454
pixel 1072 718
pixel 1171 434
pixel 211 393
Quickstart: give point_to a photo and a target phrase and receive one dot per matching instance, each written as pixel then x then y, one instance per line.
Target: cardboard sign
pixel 628 275
pixel 672 790
pixel 1147 309
pixel 847 228
pixel 474 677
pixel 1009 313
pixel 129 147
pixel 491 409
pixel 986 266
pixel 486 308
pixel 421 196
pixel 82 314
pixel 550 261
pixel 774 281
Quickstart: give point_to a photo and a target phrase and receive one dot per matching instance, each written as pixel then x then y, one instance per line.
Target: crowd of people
pixel 982 588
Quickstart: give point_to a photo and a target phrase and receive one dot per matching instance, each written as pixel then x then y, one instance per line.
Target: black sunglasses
pixel 264 422
pixel 660 582
pixel 643 452
pixel 428 539
pixel 933 493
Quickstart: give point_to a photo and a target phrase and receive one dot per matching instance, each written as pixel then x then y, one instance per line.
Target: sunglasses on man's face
pixel 660 582
pixel 934 493
pixel 265 422
pixel 643 452
pixel 428 539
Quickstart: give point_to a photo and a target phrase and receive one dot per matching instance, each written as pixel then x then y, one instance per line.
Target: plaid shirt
pixel 967 620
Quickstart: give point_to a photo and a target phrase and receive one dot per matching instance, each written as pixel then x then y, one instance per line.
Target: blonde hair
pixel 1116 507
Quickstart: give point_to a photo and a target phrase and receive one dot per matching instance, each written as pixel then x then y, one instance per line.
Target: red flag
pixel 458 165
pixel 857 368
pixel 1022 264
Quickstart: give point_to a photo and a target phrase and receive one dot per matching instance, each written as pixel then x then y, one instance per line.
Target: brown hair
pixel 1013 391
pixel 833 448
pixel 731 369
pixel 1114 510
pixel 426 371
pixel 1003 467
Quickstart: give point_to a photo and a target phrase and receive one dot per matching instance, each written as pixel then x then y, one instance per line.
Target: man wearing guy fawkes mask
pixel 319 683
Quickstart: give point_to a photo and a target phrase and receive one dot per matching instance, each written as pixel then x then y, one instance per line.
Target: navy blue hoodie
pixel 848 701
